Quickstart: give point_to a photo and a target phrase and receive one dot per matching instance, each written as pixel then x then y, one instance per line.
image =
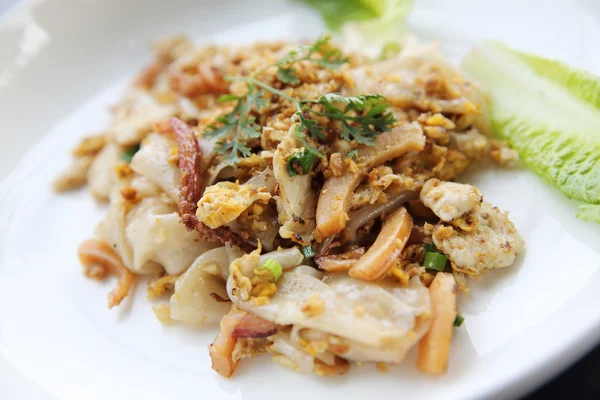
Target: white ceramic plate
pixel 63 62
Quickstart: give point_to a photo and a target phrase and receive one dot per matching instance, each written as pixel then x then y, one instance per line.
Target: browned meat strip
pixel 190 190
pixel 253 326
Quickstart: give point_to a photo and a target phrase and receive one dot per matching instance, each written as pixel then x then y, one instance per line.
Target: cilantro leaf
pixel 238 126
pixel 315 130
pixel 287 75
pixel 352 154
pixel 301 136
pixel 363 117
pixel 257 100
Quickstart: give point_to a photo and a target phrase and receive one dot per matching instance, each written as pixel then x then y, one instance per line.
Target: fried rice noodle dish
pixel 300 199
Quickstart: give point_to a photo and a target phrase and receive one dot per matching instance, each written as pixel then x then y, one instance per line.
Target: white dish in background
pixel 64 62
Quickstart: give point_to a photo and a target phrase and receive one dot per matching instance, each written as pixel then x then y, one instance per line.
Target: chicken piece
pixel 494 243
pixel 225 201
pixel 449 200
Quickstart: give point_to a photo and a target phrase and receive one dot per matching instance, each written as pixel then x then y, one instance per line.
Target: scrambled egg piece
pixel 495 242
pixel 250 282
pixel 239 270
pixel 225 201
pixel 449 200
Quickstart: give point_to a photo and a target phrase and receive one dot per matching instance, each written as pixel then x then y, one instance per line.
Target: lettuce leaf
pixel 337 12
pixel 373 26
pixel 550 113
pixel 590 212
pixel 580 83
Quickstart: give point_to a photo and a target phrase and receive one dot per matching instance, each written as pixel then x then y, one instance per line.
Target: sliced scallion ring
pixel 435 261
pixel 273 266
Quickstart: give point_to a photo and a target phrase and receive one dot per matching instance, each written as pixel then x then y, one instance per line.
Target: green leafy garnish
pixel 287 75
pixel 273 266
pixel 458 320
pixel 321 52
pixel 308 251
pixel 336 12
pixel 127 154
pixel 300 163
pixel 550 113
pixel 590 212
pixel 351 154
pixel 434 260
pixel 237 126
pixel 580 83
pixel 363 117
pixel 376 25
pixel 300 134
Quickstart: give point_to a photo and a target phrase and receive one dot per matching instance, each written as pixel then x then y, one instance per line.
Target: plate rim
pixel 561 356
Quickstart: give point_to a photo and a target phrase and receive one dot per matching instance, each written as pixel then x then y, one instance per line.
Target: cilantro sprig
pixel 239 124
pixel 361 118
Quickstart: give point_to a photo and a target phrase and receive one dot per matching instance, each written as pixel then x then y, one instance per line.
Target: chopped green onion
pixel 273 266
pixel 458 320
pixel 351 154
pixel 308 251
pixel 127 154
pixel 300 162
pixel 436 261
pixel 429 247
